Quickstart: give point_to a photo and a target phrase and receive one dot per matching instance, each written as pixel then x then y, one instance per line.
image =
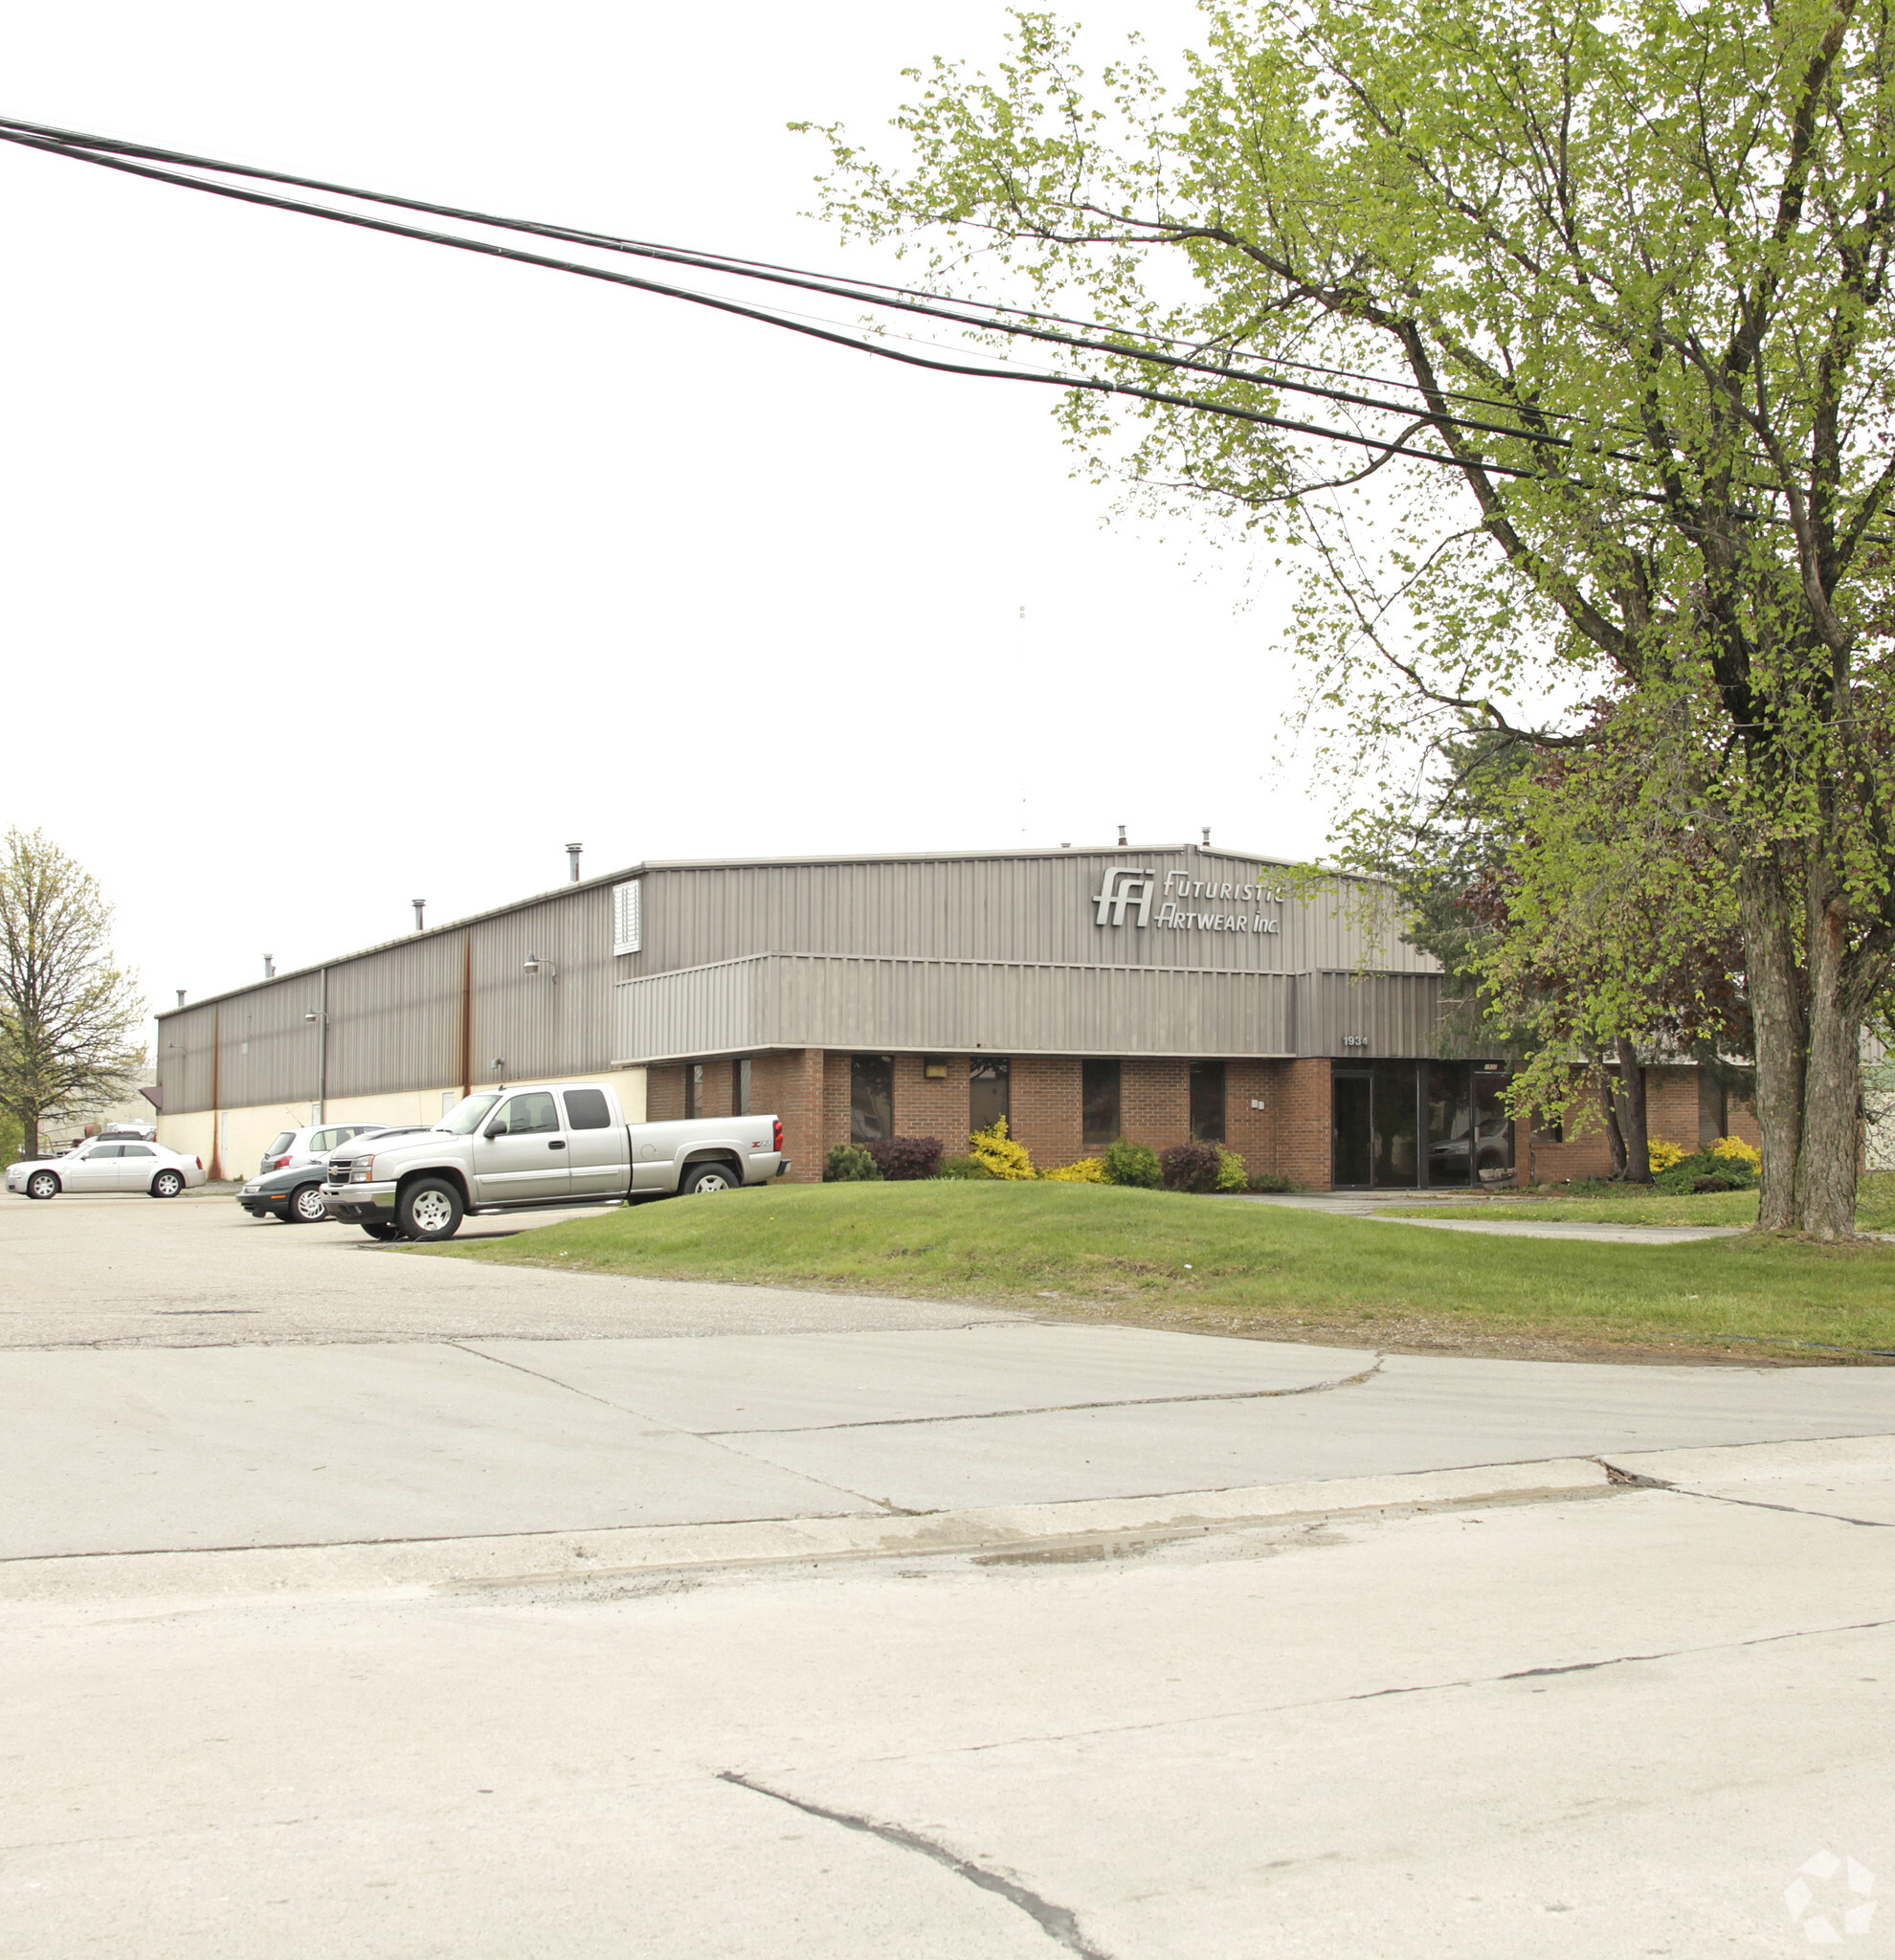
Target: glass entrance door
pixel 1399 1125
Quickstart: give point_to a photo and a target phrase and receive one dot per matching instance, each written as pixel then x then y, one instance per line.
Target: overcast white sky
pixel 342 570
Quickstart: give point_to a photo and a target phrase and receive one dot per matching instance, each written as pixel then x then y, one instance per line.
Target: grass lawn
pixel 1875 1206
pixel 1221 1265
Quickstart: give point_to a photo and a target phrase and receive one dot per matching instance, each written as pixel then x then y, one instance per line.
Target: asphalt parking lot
pixel 353 1601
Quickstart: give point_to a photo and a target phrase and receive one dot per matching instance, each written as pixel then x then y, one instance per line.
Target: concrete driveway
pixel 352 1602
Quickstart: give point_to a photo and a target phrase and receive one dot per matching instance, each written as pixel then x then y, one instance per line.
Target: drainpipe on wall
pixel 216 1164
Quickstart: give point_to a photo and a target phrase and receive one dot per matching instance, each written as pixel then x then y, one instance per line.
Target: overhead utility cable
pixel 143 161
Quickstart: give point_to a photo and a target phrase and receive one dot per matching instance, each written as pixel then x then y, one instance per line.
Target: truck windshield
pixel 465 1117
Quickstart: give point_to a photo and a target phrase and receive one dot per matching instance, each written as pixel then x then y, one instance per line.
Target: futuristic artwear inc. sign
pixel 1127 897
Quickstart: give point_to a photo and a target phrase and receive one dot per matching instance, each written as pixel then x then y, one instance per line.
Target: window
pixel 530 1115
pixel 990 1091
pixel 1549 1129
pixel 585 1109
pixel 284 1139
pixel 694 1089
pixel 1099 1102
pixel 105 1151
pixel 136 1151
pixel 628 922
pixel 324 1140
pixel 871 1098
pixel 1207 1102
pixel 740 1087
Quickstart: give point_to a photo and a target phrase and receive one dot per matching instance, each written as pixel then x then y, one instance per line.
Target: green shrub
pixel 1270 1180
pixel 851 1164
pixel 1686 1177
pixel 1231 1175
pixel 962 1167
pixel 13 1138
pixel 1134 1164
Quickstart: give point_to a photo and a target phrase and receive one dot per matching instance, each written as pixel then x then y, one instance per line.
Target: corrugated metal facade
pixel 784 1000
pixel 1202 952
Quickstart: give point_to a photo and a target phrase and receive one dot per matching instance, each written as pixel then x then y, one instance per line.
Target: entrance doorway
pixel 1407 1124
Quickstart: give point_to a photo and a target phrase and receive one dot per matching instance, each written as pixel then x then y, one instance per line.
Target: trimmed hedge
pixel 850 1163
pixel 1192 1166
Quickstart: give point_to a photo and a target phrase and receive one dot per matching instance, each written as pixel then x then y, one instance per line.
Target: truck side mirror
pixel 498 1129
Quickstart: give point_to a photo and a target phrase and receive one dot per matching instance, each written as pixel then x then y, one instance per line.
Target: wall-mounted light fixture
pixel 934 1069
pixel 534 964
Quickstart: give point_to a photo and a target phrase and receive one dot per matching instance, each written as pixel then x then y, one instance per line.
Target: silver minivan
pixel 313 1145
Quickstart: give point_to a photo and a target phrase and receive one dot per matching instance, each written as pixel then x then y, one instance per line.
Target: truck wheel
pixel 382 1229
pixel 701 1179
pixel 430 1209
pixel 305 1205
pixel 42 1184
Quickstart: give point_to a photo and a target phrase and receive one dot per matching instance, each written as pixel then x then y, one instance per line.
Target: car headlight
pixel 361 1170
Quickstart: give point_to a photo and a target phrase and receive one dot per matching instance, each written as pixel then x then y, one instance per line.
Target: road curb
pixel 429 1564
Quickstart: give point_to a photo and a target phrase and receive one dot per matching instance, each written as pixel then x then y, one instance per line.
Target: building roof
pixel 657 864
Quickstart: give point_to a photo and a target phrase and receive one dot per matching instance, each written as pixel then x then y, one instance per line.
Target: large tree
pixel 69 1014
pixel 1624 273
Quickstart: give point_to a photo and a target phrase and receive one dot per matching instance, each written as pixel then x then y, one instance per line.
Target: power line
pixel 114 155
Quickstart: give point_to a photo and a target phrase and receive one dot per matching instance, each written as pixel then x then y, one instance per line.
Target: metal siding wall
pixel 395 1017
pixel 184 1057
pixel 1038 911
pixel 270 1050
pixel 1398 1013
pixel 796 1001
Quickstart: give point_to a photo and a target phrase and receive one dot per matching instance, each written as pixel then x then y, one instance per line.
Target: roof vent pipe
pixel 1121 834
pixel 1207 837
pixel 269 966
pixel 420 910
pixel 181 995
pixel 572 851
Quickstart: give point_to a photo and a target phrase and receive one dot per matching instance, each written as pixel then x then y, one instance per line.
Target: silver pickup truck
pixel 527 1149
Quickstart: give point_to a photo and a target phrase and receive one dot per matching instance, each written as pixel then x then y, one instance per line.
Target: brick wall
pixel 664 1094
pixel 790 1086
pixel 1048 1104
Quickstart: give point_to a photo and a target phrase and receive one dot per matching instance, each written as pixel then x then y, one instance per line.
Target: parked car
pixel 108 1165
pixel 312 1144
pixel 527 1149
pixel 293 1194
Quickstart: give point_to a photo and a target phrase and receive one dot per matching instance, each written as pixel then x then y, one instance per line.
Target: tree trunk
pixel 1628 1096
pixel 1776 1010
pixel 1827 1163
pixel 30 1137
pixel 1615 1136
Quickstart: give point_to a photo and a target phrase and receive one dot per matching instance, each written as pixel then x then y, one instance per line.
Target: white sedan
pixel 109 1164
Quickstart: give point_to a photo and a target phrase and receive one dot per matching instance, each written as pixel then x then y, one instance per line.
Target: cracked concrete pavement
pixel 1403 1714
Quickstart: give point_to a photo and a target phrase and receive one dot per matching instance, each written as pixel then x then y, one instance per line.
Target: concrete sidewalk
pixel 1363 1205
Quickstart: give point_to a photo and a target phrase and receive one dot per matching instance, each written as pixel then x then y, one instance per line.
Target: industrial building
pixel 1159 994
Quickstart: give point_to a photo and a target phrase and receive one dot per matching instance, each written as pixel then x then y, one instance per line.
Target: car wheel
pixel 382 1229
pixel 430 1209
pixel 42 1184
pixel 167 1183
pixel 305 1205
pixel 704 1178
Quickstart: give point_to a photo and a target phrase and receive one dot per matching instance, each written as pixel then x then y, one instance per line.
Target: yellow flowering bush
pixel 1739 1151
pixel 1233 1173
pixel 1087 1170
pixel 1664 1155
pixel 997 1151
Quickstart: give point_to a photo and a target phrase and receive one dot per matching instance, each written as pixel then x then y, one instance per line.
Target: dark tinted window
pixel 694 1088
pixel 530 1115
pixel 990 1091
pixel 106 1150
pixel 1397 1122
pixel 136 1151
pixel 739 1087
pixel 1353 1144
pixel 1207 1102
pixel 871 1098
pixel 585 1109
pixel 284 1141
pixel 1099 1090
